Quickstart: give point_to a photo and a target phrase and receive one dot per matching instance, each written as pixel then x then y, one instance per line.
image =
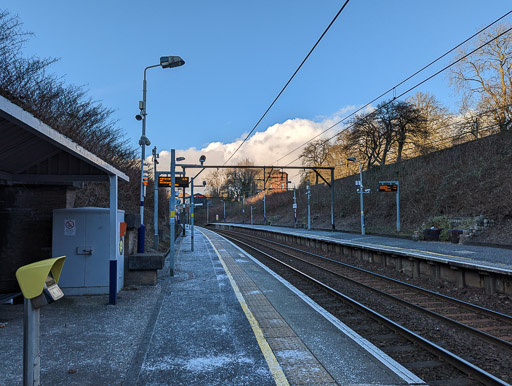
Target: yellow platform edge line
pixel 274 366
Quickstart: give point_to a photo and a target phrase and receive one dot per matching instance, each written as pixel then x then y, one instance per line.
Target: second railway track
pixel 481 338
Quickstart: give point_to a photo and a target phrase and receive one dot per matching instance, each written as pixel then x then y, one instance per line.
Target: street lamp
pixel 165 62
pixel 361 191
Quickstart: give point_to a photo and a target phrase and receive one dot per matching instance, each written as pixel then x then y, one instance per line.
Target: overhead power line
pixel 400 83
pixel 289 80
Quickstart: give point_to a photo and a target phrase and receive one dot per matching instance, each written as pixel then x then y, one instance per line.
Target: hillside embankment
pixel 468 186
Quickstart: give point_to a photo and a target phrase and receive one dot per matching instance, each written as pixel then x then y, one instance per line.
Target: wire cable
pixel 289 80
pixel 397 85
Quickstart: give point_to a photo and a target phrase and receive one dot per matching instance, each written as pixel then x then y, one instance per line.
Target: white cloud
pixel 263 147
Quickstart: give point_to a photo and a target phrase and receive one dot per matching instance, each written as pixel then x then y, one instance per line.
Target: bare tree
pixel 240 182
pixel 315 153
pixel 382 134
pixel 485 77
pixel 215 182
pixel 438 123
pixel 67 109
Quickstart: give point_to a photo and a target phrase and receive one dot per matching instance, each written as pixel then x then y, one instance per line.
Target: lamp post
pixel 252 207
pixel 361 191
pixel 165 62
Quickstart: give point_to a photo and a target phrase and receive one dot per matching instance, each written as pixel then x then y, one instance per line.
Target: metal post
pixel 224 210
pixel 114 241
pixel 243 210
pixel 172 209
pixel 265 207
pixel 251 215
pixel 309 204
pixel 294 208
pixel 142 142
pixel 397 207
pixel 183 211
pixel 192 214
pixel 207 211
pixel 332 200
pixel 361 192
pixel 31 339
pixel 155 194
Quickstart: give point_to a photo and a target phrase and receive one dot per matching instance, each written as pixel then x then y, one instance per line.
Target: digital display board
pixel 179 182
pixel 387 187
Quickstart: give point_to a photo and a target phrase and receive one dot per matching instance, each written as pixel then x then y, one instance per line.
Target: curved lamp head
pixel 171 61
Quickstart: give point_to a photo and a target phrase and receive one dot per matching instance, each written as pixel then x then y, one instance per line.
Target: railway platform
pixel 222 319
pixel 491 257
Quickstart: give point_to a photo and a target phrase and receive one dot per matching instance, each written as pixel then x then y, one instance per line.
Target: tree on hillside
pixel 436 122
pixel 233 183
pixel 410 127
pixel 316 153
pixel 485 77
pixel 382 134
pixel 215 183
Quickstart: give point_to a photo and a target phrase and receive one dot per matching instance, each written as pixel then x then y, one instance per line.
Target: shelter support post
pixel 114 237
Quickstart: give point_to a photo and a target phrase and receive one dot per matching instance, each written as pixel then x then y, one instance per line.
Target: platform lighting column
pixel 308 192
pixel 207 211
pixel 361 191
pixel 251 214
pixel 165 62
pixel 243 210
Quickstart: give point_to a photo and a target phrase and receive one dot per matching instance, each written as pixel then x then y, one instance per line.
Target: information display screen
pixel 387 187
pixel 179 182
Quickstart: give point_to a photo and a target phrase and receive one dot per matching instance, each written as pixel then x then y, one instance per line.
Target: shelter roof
pixel 33 152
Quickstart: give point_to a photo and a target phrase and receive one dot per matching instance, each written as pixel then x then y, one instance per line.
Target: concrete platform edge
pixel 273 364
pixel 379 355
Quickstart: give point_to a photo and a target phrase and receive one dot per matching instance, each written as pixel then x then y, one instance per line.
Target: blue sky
pixel 239 54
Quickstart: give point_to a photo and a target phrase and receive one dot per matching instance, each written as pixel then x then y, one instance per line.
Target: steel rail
pixel 456 361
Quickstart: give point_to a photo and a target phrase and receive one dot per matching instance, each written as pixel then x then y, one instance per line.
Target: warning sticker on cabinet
pixel 69 227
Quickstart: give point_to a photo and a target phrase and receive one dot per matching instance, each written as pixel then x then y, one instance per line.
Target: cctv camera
pixel 138 117
pixel 204 183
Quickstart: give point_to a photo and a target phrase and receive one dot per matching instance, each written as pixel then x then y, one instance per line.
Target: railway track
pixel 471 342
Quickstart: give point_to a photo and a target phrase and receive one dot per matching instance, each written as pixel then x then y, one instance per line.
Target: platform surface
pixel 223 319
pixel 499 258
